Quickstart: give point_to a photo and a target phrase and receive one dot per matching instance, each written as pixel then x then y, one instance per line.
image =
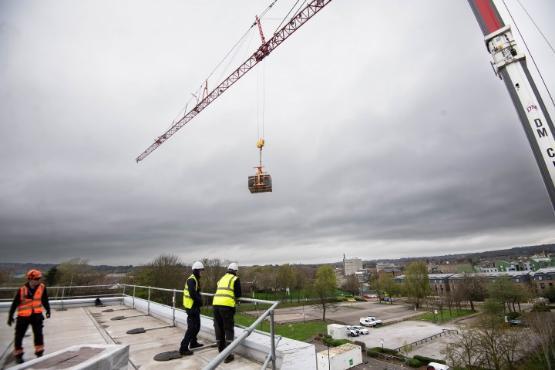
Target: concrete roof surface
pixel 90 325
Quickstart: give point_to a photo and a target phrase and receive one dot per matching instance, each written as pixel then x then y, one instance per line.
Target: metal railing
pixel 427 339
pixel 271 357
pixel 247 331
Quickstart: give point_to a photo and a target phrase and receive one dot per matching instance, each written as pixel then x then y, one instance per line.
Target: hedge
pixel 413 362
pixel 427 360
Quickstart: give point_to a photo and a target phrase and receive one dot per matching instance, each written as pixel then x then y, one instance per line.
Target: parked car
pixel 361 330
pixel 370 321
pixel 351 332
pixel 437 366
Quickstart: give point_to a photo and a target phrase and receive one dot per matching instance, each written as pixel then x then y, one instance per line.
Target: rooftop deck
pixel 90 325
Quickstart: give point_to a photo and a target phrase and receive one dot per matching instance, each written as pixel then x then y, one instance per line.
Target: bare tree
pixel 351 285
pixel 214 269
pixel 464 352
pixel 472 288
pixel 542 325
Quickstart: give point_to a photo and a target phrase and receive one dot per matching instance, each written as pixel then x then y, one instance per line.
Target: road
pixel 347 313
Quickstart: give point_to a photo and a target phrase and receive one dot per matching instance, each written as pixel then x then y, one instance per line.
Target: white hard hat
pixel 233 266
pixel 198 266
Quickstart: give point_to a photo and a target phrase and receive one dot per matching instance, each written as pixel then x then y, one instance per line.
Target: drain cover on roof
pixel 167 356
pixel 117 318
pixel 136 331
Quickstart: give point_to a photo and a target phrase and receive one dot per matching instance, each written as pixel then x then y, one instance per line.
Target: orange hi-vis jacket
pixel 29 306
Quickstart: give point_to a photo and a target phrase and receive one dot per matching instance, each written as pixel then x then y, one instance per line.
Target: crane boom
pixel 509 64
pixel 264 50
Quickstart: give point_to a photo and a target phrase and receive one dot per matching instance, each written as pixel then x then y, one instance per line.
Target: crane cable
pixel 529 52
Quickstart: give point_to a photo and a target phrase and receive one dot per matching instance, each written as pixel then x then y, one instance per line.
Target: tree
pixel 214 269
pixel 417 285
pixel 472 288
pixel 508 292
pixel 77 271
pixel 285 277
pixel 351 285
pixel 51 276
pixel 542 325
pixel 324 287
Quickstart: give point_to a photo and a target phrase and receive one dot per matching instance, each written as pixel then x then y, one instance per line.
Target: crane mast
pixel 509 64
pixel 263 51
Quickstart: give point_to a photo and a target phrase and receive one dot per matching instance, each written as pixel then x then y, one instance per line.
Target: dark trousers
pixel 21 326
pixel 224 325
pixel 193 327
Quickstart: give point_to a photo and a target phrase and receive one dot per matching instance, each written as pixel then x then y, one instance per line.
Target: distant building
pixel 543 279
pixel 351 265
pixel 388 269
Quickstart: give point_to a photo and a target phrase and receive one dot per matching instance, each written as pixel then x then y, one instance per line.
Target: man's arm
pixel 46 302
pixel 237 288
pixel 191 286
pixel 15 303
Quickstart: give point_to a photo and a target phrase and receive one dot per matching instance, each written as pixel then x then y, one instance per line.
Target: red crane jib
pixel 264 50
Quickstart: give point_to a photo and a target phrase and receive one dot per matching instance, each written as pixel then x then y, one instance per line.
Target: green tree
pixel 285 277
pixel 417 285
pixel 324 287
pixel 508 292
pixel 51 276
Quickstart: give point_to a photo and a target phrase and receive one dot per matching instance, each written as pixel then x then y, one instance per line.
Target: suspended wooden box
pixel 260 183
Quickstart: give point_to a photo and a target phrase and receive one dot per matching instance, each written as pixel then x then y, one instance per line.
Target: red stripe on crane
pixel 488 14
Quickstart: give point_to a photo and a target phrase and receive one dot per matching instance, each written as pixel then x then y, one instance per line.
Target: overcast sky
pixel 388 134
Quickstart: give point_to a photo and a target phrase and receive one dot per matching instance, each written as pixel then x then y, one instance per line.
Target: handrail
pixel 222 355
pixel 271 357
pixel 427 339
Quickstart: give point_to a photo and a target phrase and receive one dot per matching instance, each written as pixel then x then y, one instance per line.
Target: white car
pixel 370 321
pixel 436 366
pixel 351 332
pixel 361 329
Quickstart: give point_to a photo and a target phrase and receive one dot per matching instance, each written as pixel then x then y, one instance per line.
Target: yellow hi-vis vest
pixel 225 295
pixel 187 300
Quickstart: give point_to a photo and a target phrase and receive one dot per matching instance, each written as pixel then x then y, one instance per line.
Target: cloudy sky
pixel 388 134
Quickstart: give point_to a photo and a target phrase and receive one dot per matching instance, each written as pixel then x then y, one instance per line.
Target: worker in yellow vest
pixel 192 301
pixel 228 291
pixel 31 300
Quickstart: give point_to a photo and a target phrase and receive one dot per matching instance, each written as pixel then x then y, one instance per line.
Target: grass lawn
pixel 444 316
pixel 302 331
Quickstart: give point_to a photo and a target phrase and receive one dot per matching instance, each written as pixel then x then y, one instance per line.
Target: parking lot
pixel 347 313
pixel 400 334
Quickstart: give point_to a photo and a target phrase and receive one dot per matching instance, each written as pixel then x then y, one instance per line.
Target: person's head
pixel 232 268
pixel 197 268
pixel 33 277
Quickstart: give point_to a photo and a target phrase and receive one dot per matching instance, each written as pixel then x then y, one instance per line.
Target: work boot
pixel 196 345
pixel 39 353
pixel 19 359
pixel 229 358
pixel 186 352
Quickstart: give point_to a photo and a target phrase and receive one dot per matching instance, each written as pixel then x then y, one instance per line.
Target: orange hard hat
pixel 34 274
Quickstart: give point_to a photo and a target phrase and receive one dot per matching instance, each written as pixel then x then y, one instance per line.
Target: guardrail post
pixel 63 293
pixel 148 303
pixel 134 296
pixel 273 340
pixel 173 308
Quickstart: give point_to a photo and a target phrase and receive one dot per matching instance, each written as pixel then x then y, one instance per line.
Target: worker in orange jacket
pixel 31 300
